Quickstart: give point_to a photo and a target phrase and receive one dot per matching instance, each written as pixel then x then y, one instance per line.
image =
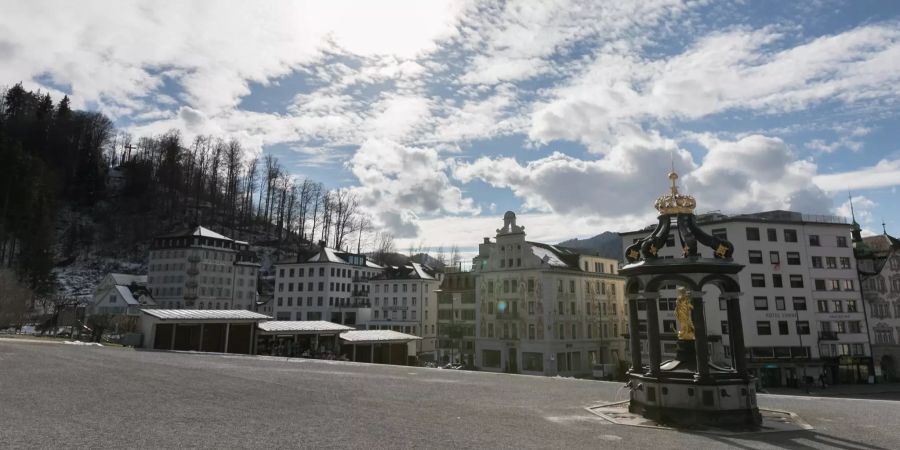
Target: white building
pixel 121 294
pixel 801 308
pixel 545 310
pixel 404 300
pixel 332 285
pixel 200 269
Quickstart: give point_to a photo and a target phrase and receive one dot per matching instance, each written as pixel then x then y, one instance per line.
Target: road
pixel 54 395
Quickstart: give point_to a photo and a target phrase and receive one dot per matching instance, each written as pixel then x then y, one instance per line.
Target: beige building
pixel 881 291
pixel 200 269
pixel 543 309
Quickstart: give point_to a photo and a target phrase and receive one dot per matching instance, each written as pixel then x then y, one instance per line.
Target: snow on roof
pixel 302 326
pixel 205 314
pixel 126 279
pixel 548 256
pixel 329 256
pixel 198 231
pixel 206 232
pixel 385 336
pixel 421 272
pixel 372 265
pixel 126 294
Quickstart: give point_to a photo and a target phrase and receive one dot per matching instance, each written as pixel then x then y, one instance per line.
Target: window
pixel 802 327
pixel 796 281
pixel 817 262
pixel 530 285
pixel 720 233
pixel 669 326
pixel 790 235
pixel 572 286
pixel 831 262
pixel 723 304
pixel 757 280
pixel 851 306
pixel 848 285
pixel 838 306
pixel 842 241
pixel 814 240
pixel 724 327
pixel 490 358
pixel 835 285
pixel 845 262
pixel 531 331
pixel 772 235
pixel 793 258
pixel 854 326
pixel 763 328
pixel 490 287
pixel 755 256
pixel 822 305
pixel 752 234
pixel 799 303
pixel 819 284
pixel 779 303
pixel 776 280
pixel 783 327
pixel 533 362
pixel 760 303
pixel 774 258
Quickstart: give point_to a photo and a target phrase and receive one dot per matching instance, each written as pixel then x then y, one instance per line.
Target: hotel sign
pixel 784 315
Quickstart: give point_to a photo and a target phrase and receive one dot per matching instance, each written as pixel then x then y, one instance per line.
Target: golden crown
pixel 675 203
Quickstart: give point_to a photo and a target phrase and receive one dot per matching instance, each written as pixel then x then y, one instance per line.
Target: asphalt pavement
pixel 54 396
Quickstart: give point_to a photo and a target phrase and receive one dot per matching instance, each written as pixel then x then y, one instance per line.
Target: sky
pixel 441 115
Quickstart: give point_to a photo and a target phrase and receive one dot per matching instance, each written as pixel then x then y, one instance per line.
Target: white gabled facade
pixel 201 269
pixel 121 294
pixel 801 307
pixel 881 290
pixel 545 310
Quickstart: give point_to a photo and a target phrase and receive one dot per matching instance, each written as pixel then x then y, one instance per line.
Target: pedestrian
pixel 822 380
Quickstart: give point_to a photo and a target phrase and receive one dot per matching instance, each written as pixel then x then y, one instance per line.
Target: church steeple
pixel 855 229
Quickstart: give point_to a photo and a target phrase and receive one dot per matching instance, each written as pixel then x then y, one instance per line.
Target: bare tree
pixel 455 258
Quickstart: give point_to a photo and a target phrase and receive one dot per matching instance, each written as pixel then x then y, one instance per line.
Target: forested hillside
pixel 75 190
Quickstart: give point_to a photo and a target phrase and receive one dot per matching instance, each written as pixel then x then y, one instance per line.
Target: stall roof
pixel 205 314
pixel 302 327
pixel 377 336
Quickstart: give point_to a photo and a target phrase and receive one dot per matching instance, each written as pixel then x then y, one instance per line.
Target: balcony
pixel 828 336
pixel 364 294
pixel 194 259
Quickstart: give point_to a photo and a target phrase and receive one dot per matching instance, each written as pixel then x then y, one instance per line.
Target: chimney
pixel 487 240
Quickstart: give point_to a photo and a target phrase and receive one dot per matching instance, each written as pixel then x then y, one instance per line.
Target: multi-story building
pixel 200 269
pixel 543 309
pixel 404 300
pixel 801 308
pixel 456 318
pixel 331 285
pixel 879 268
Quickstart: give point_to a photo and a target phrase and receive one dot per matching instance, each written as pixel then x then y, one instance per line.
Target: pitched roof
pixel 302 326
pixel 555 256
pixel 126 279
pixel 379 336
pixel 205 314
pixel 197 231
pixel 882 243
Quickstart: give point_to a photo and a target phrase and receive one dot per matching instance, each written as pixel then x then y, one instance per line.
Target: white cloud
pixel 884 174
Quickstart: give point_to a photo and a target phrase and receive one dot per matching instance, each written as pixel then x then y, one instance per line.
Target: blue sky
pixel 442 115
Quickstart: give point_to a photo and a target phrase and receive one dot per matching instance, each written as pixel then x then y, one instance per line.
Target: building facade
pixel 331 285
pixel 456 318
pixel 801 306
pixel 404 300
pixel 201 269
pixel 542 309
pixel 880 271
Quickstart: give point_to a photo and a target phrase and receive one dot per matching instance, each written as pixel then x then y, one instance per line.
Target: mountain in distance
pixel 606 244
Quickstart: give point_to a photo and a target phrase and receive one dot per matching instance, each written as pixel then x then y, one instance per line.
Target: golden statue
pixel 683 314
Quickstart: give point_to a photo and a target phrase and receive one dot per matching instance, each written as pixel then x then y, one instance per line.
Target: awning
pixel 301 327
pixel 205 315
pixel 377 337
